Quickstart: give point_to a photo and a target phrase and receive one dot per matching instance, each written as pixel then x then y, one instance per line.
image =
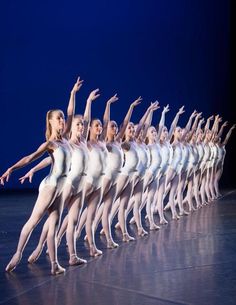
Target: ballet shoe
pixel 102 232
pixel 167 207
pixel 153 227
pixel 85 238
pixel 75 260
pixel 175 216
pixel 127 238
pixel 94 252
pixel 142 232
pixel 132 221
pixel 117 226
pixel 13 262
pixel 183 213
pixel 163 221
pixel 112 245
pixel 57 269
pixel 34 256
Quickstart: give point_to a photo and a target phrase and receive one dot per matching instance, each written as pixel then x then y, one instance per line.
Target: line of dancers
pixel 99 171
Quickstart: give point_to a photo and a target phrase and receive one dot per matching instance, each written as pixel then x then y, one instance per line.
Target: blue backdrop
pixel 176 51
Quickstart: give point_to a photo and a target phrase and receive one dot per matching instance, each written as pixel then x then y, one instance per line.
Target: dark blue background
pixel 176 51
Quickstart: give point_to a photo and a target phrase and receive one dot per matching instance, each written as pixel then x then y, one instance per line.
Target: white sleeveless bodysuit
pixel 131 160
pixel 79 166
pixel 156 160
pixel 97 164
pixel 115 161
pixel 60 167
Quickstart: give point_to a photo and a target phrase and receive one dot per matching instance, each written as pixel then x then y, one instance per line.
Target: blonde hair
pixel 48 125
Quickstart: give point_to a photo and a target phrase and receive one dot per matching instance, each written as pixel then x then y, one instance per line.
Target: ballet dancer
pixel 51 196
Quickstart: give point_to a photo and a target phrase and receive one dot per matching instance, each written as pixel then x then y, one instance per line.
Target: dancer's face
pixel 77 127
pixel 112 128
pixel 57 120
pixel 152 133
pixel 164 133
pixel 178 133
pixel 96 128
pixel 130 131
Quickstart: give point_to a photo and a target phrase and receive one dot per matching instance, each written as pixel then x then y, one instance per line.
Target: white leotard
pixel 206 156
pixel 115 161
pixel 221 155
pixel 60 167
pixel 155 162
pixel 185 156
pixel 144 159
pixel 176 163
pixel 166 157
pixel 79 165
pixel 200 150
pixel 193 158
pixel 131 160
pixel 97 164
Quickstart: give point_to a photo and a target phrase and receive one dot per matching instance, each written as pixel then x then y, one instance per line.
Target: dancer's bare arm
pixel 42 164
pixel 175 121
pixel 127 118
pixel 71 106
pixel 87 112
pixel 45 147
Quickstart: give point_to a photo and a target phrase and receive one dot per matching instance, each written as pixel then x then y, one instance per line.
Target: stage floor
pixel 190 261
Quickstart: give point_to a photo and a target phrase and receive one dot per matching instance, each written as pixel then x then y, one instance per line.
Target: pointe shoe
pixel 13 262
pixel 153 227
pixel 112 245
pixel 163 221
pixel 183 213
pixel 94 251
pixel 75 260
pixel 57 269
pixel 127 238
pixel 117 226
pixel 132 221
pixel 142 232
pixel 102 232
pixel 34 256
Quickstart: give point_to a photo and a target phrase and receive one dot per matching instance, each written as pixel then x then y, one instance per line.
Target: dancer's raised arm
pixel 106 116
pixel 148 121
pixel 162 121
pixel 175 121
pixel 186 129
pixel 200 124
pixel 126 120
pixel 207 126
pixel 143 119
pixel 222 129
pixel 87 112
pixel 195 124
pixel 228 135
pixel 71 107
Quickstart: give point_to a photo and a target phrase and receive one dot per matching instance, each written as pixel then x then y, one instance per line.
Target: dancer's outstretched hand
pixel 113 99
pixel 94 95
pixel 5 176
pixel 77 85
pixel 181 110
pixel 28 175
pixel 166 108
pixel 136 102
pixel 154 106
